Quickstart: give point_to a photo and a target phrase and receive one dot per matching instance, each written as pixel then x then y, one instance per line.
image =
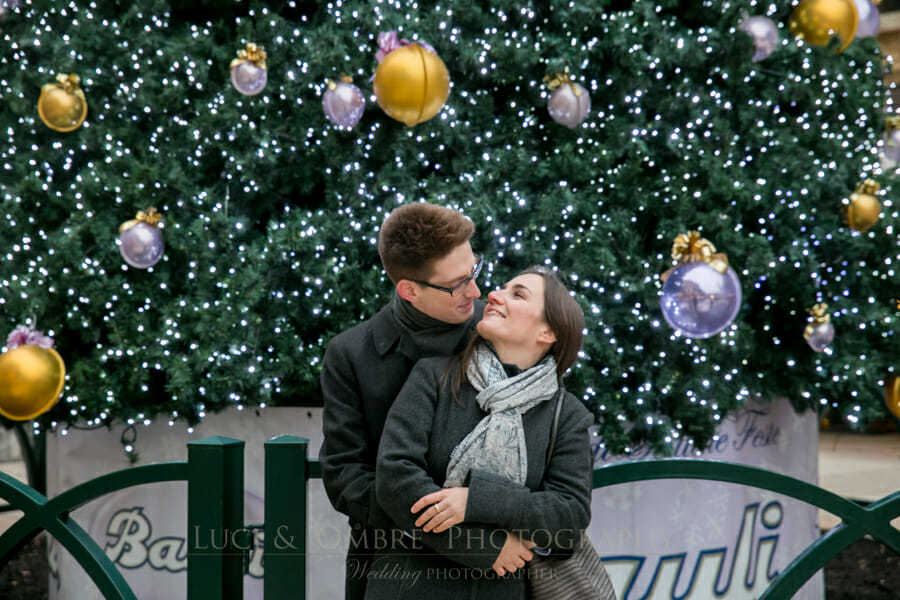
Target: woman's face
pixel 514 315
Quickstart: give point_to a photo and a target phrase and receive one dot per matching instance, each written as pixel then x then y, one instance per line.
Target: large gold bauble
pixel 62 107
pixel 31 379
pixel 892 395
pixel 863 211
pixel 411 84
pixel 816 21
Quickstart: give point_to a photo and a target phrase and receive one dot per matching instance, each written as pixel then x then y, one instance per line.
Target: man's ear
pixel 407 290
pixel 546 336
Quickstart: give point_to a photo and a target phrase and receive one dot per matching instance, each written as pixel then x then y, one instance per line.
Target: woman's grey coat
pixel 422 428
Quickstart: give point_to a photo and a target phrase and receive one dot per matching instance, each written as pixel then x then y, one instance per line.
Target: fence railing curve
pixel 857 521
pixel 214 474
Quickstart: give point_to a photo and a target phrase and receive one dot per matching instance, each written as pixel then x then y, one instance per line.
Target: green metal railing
pixel 218 539
pixel 857 521
pixel 214 472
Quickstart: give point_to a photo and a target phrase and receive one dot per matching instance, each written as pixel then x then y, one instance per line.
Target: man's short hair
pixel 414 236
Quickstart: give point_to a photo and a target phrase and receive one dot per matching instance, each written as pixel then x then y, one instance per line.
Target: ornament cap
pixel 149 216
pixel 892 123
pixel 252 53
pixel 560 79
pixel 820 314
pixel 869 186
pixel 690 247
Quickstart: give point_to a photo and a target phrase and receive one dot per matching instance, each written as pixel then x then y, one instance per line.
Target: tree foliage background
pixel 271 212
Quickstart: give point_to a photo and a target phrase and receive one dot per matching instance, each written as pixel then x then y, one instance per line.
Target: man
pixel 426 252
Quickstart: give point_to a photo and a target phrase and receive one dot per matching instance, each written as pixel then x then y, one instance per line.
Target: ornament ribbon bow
pixel 24 335
pixel 820 316
pixel 68 82
pixel 690 247
pixel 869 186
pixel 388 41
pixel 560 79
pixel 149 216
pixel 253 53
pixel 332 84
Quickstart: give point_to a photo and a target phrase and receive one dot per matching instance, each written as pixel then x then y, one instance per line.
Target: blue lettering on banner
pixel 751 431
pixel 748 561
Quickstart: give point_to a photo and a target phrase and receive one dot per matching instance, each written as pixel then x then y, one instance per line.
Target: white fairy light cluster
pixel 255 279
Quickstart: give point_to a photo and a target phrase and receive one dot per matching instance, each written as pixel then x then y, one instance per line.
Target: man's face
pixel 448 272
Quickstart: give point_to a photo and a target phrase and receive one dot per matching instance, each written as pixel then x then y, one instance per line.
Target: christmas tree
pixel 270 211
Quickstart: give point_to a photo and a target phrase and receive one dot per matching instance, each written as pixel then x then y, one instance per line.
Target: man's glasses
pixel 459 286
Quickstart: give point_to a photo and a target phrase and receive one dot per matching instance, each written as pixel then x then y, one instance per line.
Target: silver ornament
pixel 699 301
pixel 764 33
pixel 869 19
pixel 343 103
pixel 569 104
pixel 141 245
pixel 819 336
pixel 248 78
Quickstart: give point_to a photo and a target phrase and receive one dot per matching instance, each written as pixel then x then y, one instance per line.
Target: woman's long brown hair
pixel 561 313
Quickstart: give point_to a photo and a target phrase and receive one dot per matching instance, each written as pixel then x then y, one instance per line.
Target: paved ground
pixel 860 466
pixel 863 467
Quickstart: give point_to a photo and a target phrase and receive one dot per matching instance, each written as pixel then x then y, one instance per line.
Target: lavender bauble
pixel 699 301
pixel 248 78
pixel 819 336
pixel 869 20
pixel 141 245
pixel 764 33
pixel 569 104
pixel 343 104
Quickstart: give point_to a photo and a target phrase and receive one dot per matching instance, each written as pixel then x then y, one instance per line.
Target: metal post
pixel 286 506
pixel 216 532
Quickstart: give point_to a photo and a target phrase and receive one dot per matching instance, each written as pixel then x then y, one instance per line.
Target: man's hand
pixel 445 508
pixel 514 554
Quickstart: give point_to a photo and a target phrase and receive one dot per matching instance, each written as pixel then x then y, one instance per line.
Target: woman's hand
pixel 446 508
pixel 514 554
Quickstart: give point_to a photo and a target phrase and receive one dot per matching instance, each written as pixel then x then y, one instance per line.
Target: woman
pixel 461 465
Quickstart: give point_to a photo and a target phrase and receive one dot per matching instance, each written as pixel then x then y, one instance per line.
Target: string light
pixel 275 214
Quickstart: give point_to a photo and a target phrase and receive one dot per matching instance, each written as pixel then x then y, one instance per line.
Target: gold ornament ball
pixel 31 379
pixel 892 395
pixel 816 21
pixel 411 84
pixel 61 109
pixel 863 211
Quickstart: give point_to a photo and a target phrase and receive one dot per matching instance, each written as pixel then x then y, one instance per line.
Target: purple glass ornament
pixel 869 20
pixel 699 301
pixel 248 78
pixel 344 104
pixel 820 336
pixel 569 104
pixel 764 33
pixel 892 146
pixel 141 245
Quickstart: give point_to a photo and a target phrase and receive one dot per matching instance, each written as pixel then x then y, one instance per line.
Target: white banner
pixel 143 529
pixel 663 539
pixel 696 540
